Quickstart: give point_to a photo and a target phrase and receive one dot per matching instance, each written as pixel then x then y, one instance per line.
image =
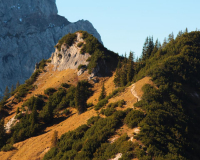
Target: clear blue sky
pixel 124 24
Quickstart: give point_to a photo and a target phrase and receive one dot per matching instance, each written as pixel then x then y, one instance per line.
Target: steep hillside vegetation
pixel 169 125
pixel 170 129
pixel 148 109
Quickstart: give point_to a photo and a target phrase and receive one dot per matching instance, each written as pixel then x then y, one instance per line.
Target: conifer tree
pixel 6 93
pixel 103 93
pixel 18 84
pixel 117 75
pixel 164 43
pixel 33 120
pixel 156 47
pixel 186 30
pixel 81 95
pixel 130 67
pixel 123 77
pixel 179 33
pixel 171 37
pixel 150 47
pixel 12 89
pixel 145 48
pixel 54 139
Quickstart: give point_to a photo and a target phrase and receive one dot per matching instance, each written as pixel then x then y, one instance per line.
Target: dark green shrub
pixel 52 153
pixel 66 112
pixel 119 114
pixel 49 91
pixel 80 44
pixel 108 111
pixel 34 102
pixel 92 120
pixel 90 105
pixel 48 61
pixel 42 64
pixel 77 146
pixel 68 39
pixel 81 66
pixel 65 85
pixel 19 116
pixel 84 141
pixel 116 104
pixel 97 51
pixel 22 91
pixel 7 147
pixel 133 118
pixel 101 103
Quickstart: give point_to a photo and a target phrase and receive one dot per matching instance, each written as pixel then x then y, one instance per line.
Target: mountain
pixel 86 102
pixel 29 32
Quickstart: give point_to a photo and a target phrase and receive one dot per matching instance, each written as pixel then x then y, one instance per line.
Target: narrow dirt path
pixel 134 93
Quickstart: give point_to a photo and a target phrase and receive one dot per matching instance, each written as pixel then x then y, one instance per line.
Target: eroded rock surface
pixel 69 58
pixel 29 31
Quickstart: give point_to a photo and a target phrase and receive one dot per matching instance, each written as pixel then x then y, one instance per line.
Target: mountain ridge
pixel 28 33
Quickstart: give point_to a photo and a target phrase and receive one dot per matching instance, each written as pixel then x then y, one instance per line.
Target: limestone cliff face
pixel 29 31
pixel 69 58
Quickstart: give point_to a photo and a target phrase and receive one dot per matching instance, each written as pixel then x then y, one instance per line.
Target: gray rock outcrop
pixel 69 58
pixel 29 31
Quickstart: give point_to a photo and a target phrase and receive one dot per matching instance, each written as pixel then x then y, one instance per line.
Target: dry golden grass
pixel 109 87
pixel 139 84
pixel 35 148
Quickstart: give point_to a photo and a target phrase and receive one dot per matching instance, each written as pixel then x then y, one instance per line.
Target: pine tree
pixel 145 48
pixel 171 37
pixel 117 74
pixel 81 95
pixel 150 47
pixel 123 76
pixel 54 139
pixel 180 33
pixel 186 30
pixel 6 93
pixel 156 47
pixel 164 43
pixel 130 67
pixel 12 89
pixel 33 120
pixel 18 84
pixel 103 93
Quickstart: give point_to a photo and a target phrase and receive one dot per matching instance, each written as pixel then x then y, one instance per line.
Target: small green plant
pixel 90 105
pixel 100 104
pixel 108 111
pixel 81 66
pixel 49 91
pixel 66 112
pixel 48 61
pixel 7 147
pixel 42 64
pixel 68 39
pixel 65 85
pixel 133 118
pixel 80 44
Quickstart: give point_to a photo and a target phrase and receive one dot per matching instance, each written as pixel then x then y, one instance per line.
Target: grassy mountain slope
pixel 163 125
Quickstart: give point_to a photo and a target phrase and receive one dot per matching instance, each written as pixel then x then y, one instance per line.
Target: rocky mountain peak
pixel 22 8
pixel 29 31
